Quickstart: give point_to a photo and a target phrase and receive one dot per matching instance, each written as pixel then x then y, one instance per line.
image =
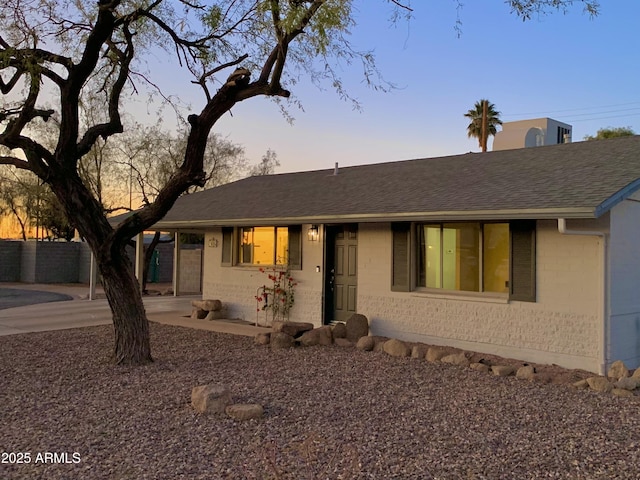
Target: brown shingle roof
pixel 583 179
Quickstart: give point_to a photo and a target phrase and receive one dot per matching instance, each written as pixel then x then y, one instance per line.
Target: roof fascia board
pixel 486 215
pixel 617 197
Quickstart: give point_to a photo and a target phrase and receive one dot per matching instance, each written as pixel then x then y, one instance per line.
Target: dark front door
pixel 341 272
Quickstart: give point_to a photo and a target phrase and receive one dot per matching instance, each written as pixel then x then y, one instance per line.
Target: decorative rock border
pixel 618 381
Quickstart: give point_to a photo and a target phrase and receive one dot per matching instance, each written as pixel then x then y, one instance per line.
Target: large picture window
pixel 264 246
pixel 471 257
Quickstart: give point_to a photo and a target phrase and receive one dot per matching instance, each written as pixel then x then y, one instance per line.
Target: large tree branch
pixel 274 65
pixel 78 76
pixel 15 161
pixel 202 81
pixel 114 125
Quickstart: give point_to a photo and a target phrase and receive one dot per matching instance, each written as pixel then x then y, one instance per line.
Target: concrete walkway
pixel 81 312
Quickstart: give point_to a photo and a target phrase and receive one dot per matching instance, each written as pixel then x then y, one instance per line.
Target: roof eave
pixel 484 215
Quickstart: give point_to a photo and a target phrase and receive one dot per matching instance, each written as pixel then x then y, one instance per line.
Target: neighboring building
pixel 532 133
pixel 529 253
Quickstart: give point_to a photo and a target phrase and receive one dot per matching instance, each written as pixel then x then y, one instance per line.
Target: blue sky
pixel 578 70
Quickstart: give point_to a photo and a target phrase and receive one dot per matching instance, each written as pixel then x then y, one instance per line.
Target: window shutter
pixel 227 246
pixel 401 274
pixel 522 281
pixel 295 247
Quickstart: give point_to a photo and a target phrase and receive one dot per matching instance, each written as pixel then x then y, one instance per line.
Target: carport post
pixel 140 258
pixel 176 264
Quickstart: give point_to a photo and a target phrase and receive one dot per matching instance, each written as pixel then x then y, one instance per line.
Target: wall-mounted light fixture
pixel 213 242
pixel 312 233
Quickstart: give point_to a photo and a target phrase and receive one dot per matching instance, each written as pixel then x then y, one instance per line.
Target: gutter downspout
pixel 563 230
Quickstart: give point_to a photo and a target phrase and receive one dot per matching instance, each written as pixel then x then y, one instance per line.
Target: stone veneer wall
pixel 562 327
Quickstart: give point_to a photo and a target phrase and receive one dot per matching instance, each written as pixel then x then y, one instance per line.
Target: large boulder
pixel 317 336
pixel 617 370
pixel 435 354
pixel 295 329
pixel 198 313
pixel 396 348
pixel 262 339
pixel 419 351
pixel 357 327
pixel 210 398
pixel 627 383
pixel 459 359
pixel 502 370
pixel 343 342
pixel 207 305
pixel 339 330
pixel 600 384
pixel 281 340
pixel 366 344
pixel 480 367
pixel 526 372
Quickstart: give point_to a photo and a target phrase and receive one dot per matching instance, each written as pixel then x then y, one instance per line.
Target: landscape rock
pixel 396 348
pixel 419 351
pixel 618 370
pixel 343 342
pixel 357 327
pixel 317 336
pixel 216 314
pixel 281 340
pixel 366 344
pixel 262 339
pixel 627 383
pixel 207 305
pixel 480 367
pixel 379 343
pixel 339 330
pixel 210 398
pixel 245 411
pixel 198 313
pixel 636 373
pixel 599 384
pixel 526 372
pixel 580 384
pixel 294 329
pixel 619 392
pixel 502 370
pixel 435 354
pixel 459 359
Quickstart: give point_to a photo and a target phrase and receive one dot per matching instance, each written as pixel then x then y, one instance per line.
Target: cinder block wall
pixel 10 254
pixel 28 262
pixel 57 262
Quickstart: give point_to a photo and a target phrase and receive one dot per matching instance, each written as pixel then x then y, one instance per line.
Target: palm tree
pixel 484 120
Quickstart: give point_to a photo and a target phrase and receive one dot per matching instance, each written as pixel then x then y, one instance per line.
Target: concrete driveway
pixel 80 312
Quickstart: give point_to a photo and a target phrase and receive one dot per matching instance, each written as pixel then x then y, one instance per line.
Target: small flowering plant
pixel 278 296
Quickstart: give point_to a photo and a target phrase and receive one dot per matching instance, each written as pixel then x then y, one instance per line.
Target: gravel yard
pixel 330 413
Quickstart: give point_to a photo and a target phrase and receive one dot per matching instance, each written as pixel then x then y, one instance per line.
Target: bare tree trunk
pixel 130 323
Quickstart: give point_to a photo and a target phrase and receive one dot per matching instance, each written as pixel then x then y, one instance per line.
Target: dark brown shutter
pixel 295 247
pixel 401 275
pixel 227 246
pixel 522 281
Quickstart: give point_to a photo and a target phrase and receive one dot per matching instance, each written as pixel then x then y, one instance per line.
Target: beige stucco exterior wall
pixel 624 305
pixel 237 286
pixel 562 327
